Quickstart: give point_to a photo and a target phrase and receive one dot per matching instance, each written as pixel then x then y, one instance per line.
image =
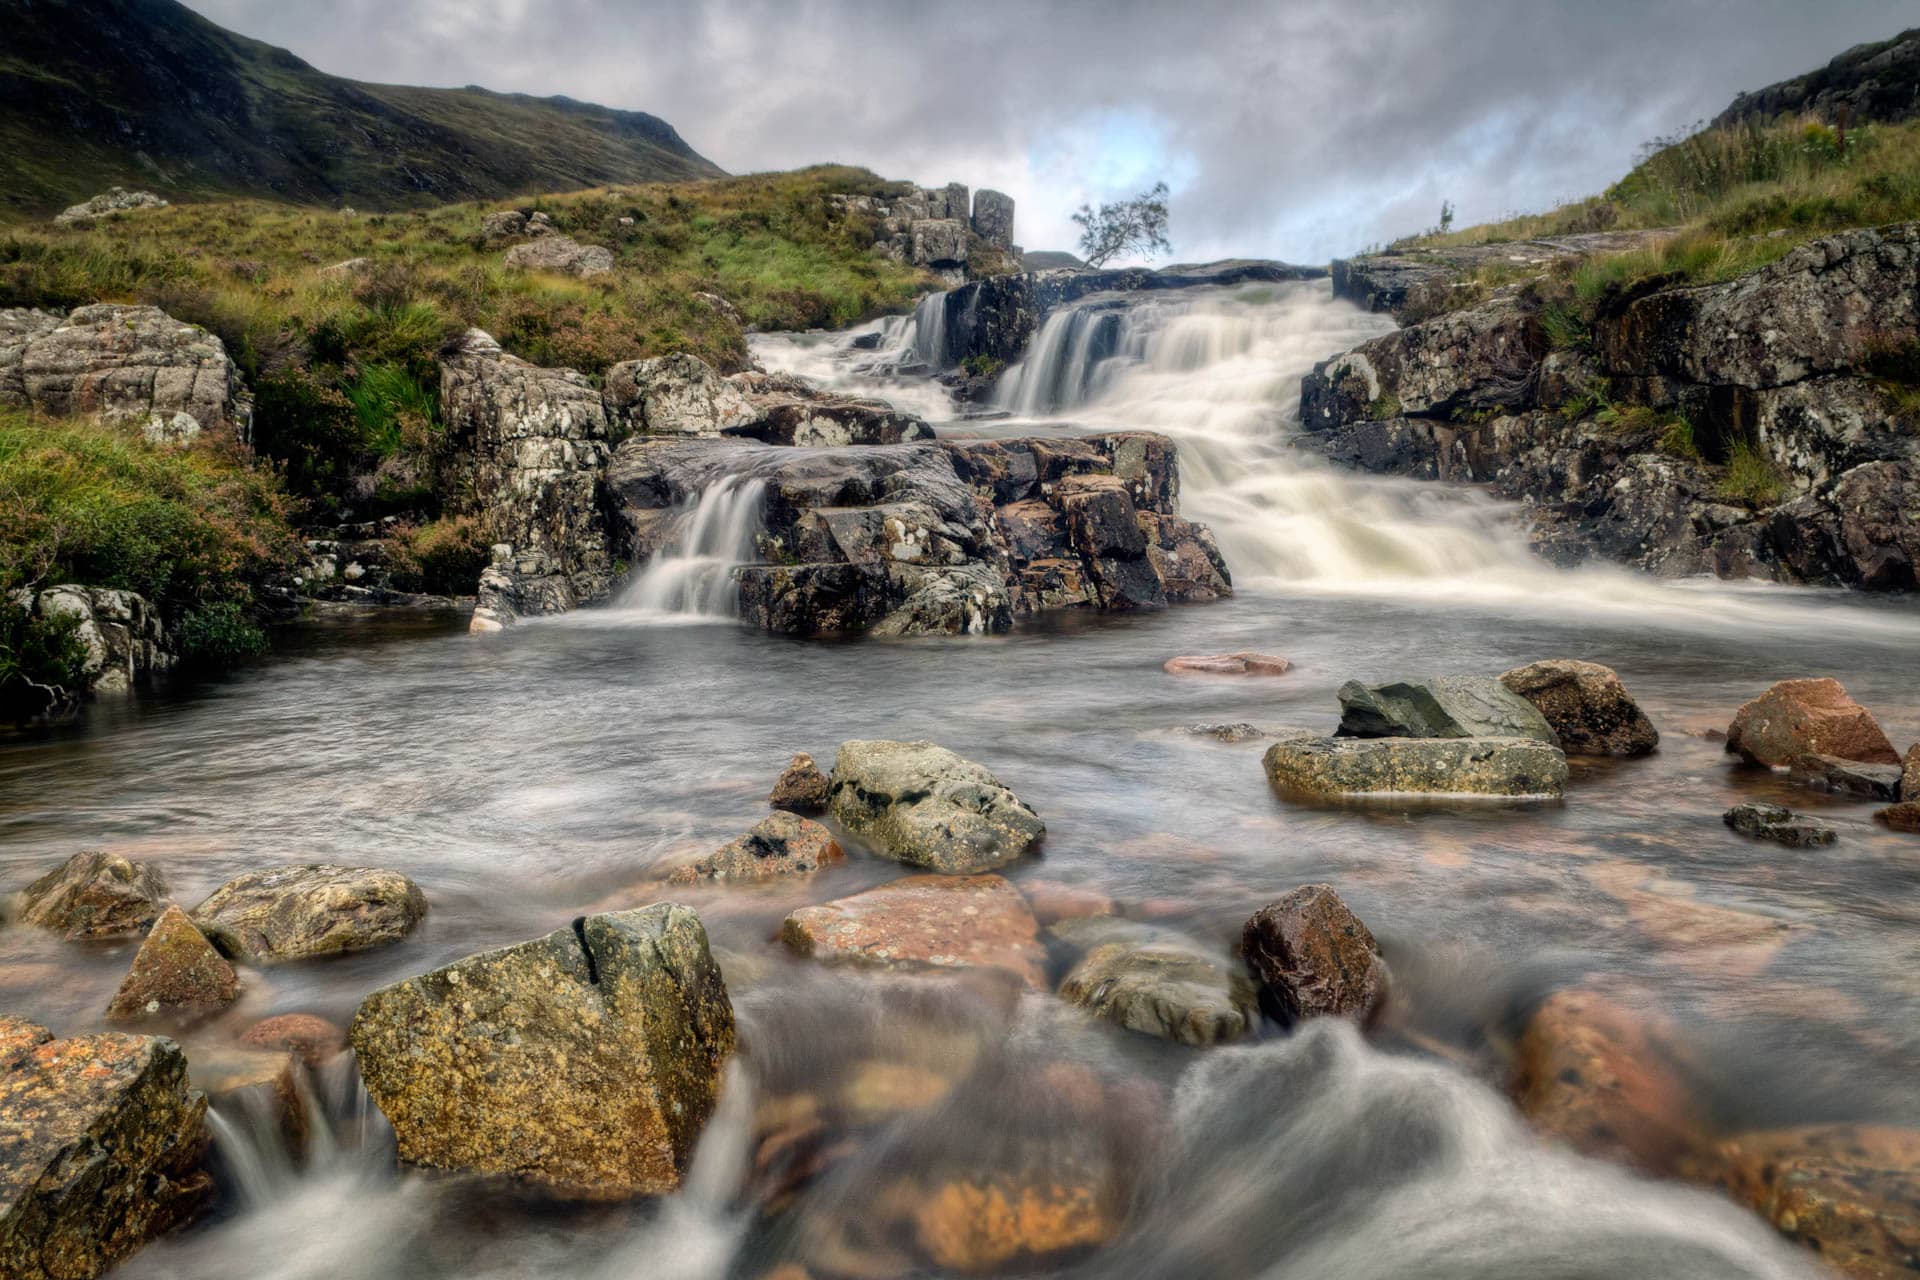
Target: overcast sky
pixel 1297 129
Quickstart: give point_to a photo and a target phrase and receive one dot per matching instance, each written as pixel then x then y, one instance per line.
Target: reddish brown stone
pixel 176 973
pixel 1904 816
pixel 1316 957
pixel 311 1039
pixel 784 844
pixel 1852 1192
pixel 802 788
pixel 1604 1079
pixel 1807 717
pixel 1229 664
pixel 939 922
pixel 1053 901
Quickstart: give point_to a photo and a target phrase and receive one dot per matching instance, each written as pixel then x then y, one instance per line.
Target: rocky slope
pixel 147 92
pixel 1877 81
pixel 1757 428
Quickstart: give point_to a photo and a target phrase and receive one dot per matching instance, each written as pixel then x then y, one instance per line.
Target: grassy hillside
pixel 146 93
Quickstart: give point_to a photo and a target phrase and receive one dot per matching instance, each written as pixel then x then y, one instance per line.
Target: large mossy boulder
pixel 101 1149
pixel 1331 768
pixel 93 895
pixel 1588 707
pixel 587 1061
pixel 295 913
pixel 1439 707
pixel 923 805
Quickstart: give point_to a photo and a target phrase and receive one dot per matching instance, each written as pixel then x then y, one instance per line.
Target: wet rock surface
pixel 297 913
pixel 1904 816
pixel 1439 707
pixel 1155 982
pixel 175 974
pixel 1228 664
pixel 1798 718
pixel 1780 825
pixel 920 804
pixel 93 895
pixel 783 845
pixel 587 1061
pixel 1589 709
pixel 312 1039
pixel 925 922
pixel 1329 768
pixel 1848 777
pixel 1315 957
pixel 801 788
pixel 101 1144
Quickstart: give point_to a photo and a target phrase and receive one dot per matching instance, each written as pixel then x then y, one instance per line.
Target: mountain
pixel 147 93
pixel 1879 81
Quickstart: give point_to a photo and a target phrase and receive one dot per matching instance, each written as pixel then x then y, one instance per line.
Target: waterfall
pixel 924 339
pixel 692 576
pixel 1067 356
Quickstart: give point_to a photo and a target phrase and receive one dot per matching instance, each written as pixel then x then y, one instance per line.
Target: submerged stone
pixel 1780 825
pixel 1439 707
pixel 921 804
pixel 176 973
pixel 1848 777
pixel 312 1039
pixel 1334 767
pixel 294 913
pixel 587 1061
pixel 1316 957
pixel 94 895
pixel 925 922
pixel 1156 983
pixel 1229 664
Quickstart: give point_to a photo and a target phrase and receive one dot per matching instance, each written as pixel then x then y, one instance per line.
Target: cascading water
pixel 692 577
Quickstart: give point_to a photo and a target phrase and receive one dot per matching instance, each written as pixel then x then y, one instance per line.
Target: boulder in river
pixel 1228 664
pixel 1848 777
pixel 1780 825
pixel 921 804
pixel 783 845
pixel 1439 707
pixel 1904 816
pixel 312 1039
pixel 925 922
pixel 588 1060
pixel 295 913
pixel 94 895
pixel 1589 709
pixel 802 788
pixel 1334 767
pixel 1807 717
pixel 101 1149
pixel 1849 1191
pixel 1155 982
pixel 1316 957
pixel 176 973
pixel 562 255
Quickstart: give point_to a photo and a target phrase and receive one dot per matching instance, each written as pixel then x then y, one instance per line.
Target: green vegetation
pixel 981 365
pixel 442 558
pixel 1752 478
pixel 1387 406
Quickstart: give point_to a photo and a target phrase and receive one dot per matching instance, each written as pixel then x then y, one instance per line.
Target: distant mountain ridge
pixel 95 93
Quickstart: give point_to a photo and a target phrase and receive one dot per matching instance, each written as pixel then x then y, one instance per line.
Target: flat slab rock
pixel 926 922
pixel 1780 825
pixel 101 1144
pixel 1522 768
pixel 296 913
pixel 1848 777
pixel 587 1061
pixel 920 804
pixel 1228 664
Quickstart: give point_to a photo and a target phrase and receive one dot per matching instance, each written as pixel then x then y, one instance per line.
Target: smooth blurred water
pixel 558 768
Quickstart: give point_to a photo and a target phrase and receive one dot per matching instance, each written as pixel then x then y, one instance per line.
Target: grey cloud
pixel 1300 129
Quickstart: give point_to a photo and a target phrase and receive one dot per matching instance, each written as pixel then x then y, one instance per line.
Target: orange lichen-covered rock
pixel 176 973
pixel 978 1225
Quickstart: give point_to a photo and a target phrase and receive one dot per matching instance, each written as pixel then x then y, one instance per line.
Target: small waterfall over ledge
pixel 692 576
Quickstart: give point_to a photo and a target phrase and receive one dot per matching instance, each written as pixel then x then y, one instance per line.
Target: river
pixel 526 778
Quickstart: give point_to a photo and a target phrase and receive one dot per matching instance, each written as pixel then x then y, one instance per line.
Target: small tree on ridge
pixel 1136 225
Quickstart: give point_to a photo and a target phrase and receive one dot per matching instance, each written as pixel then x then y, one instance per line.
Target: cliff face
pixel 1761 427
pixel 1879 81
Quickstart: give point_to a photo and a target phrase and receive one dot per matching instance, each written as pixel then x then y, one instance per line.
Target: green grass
pixel 1753 479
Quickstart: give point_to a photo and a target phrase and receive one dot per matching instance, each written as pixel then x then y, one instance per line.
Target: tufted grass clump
pixel 1752 478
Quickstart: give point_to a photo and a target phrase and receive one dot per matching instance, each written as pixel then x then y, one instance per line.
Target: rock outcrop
pixel 935 228
pixel 1797 718
pixel 1415 283
pixel 921 804
pixel 1439 707
pixel 112 200
pixel 175 974
pixel 1315 957
pixel 94 895
pixel 102 1149
pixel 925 923
pixel 297 913
pixel 124 363
pixel 562 255
pixel 125 639
pixel 1330 768
pixel 1155 982
pixel 1774 368
pixel 1587 706
pixel 783 845
pixel 1877 81
pixel 588 1060
pixel 682 395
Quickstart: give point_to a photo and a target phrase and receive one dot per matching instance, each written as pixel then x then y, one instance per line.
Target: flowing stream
pixel 530 777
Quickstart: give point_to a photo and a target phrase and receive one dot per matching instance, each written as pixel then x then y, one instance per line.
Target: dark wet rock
pixel 94 895
pixel 1589 709
pixel 802 788
pixel 1316 957
pixel 297 913
pixel 783 845
pixel 539 438
pixel 112 200
pixel 925 922
pixel 1439 707
pixel 1475 361
pixel 588 1060
pixel 1229 664
pixel 1155 982
pixel 1780 825
pixel 1605 1078
pixel 101 1148
pixel 1798 718
pixel 562 255
pixel 175 974
pixel 1412 283
pixel 1904 816
pixel 1850 1192
pixel 310 1038
pixel 1329 768
pixel 1848 777
pixel 920 804
pixel 124 363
